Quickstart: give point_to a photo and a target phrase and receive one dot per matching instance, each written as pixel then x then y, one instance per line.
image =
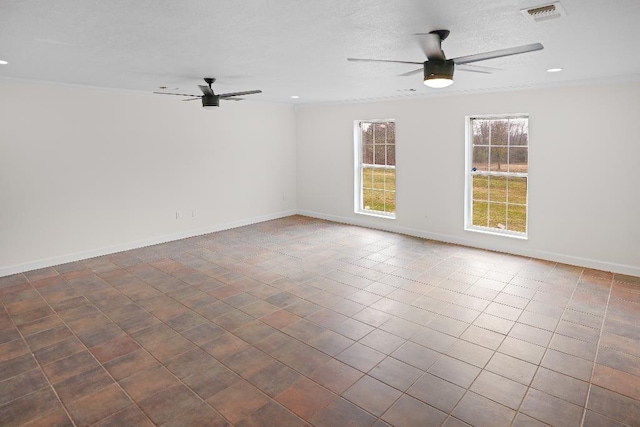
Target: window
pixel 375 172
pixel 497 174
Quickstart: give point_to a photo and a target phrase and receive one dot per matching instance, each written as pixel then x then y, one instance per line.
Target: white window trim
pixel 357 181
pixel 468 190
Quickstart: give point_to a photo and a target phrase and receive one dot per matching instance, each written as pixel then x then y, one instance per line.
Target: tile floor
pixel 300 321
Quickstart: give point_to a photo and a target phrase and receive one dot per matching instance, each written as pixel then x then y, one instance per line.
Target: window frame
pixel 358 166
pixel 469 174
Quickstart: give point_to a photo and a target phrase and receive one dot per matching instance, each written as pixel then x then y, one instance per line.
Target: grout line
pixel 595 359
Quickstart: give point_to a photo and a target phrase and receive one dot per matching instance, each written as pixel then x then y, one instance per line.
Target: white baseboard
pixel 532 253
pixel 78 256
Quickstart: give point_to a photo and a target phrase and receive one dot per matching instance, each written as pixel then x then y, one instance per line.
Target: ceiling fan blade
pixel 431 45
pixel 178 94
pixel 476 68
pixel 232 98
pixel 206 90
pixel 498 53
pixel 411 73
pixel 248 92
pixel 382 60
pixel 192 99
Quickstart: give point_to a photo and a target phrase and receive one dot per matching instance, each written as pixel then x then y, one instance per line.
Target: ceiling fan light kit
pixel 210 100
pixel 438 70
pixel 438 73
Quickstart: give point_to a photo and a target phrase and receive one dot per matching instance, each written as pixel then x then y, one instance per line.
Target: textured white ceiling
pixel 299 47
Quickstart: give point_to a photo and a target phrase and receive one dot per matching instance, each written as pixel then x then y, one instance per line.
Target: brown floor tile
pixel 614 405
pixel 272 415
pixel 531 334
pixel 523 420
pixel 29 407
pixel 470 353
pixel 248 362
pixel 153 334
pixel 12 349
pixel 455 371
pixel 407 412
pixel 567 364
pixel 396 373
pixel 305 398
pixel 147 382
pixel 129 364
pixel 382 341
pixel 58 351
pixel 372 317
pixel 416 355
pixel 342 413
pixel 330 343
pixel 482 412
pixel 483 337
pixel 70 366
pixel 562 386
pixel 617 381
pixel 129 416
pixel 238 401
pixel 82 384
pixel 251 332
pixel 199 415
pixel 336 376
pixel 185 321
pixel 12 367
pixel 494 323
pixel 94 407
pixel 551 410
pixel 352 329
pixel 40 325
pixel 114 348
pixel 305 359
pixel 303 330
pixel 499 389
pixel 593 419
pixel 361 357
pixel 58 418
pixel 522 350
pixel 168 403
pixel 372 395
pixel 20 385
pixel 437 392
pixel 274 378
pixel 512 368
pixel 208 383
pixel 169 348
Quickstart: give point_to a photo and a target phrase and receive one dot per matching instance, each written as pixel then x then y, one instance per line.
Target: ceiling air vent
pixel 544 12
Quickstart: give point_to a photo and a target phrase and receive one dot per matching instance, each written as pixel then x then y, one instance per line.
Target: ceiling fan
pixel 438 70
pixel 209 98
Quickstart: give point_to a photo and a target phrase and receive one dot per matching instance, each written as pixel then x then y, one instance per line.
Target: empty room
pixel 318 213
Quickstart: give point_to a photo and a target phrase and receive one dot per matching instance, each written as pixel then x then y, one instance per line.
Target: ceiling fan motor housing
pixel 439 69
pixel 209 101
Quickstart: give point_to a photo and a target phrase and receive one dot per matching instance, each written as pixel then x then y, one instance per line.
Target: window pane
pixel 367 178
pixel 518 132
pixel 380 133
pixel 517 218
pixel 518 190
pixel 499 159
pixel 377 204
pixel 498 189
pixel 378 179
pixel 518 159
pixel 480 214
pixel 480 188
pixel 367 133
pixel 379 155
pixel 499 132
pixel 391 133
pixel 390 179
pixel 481 158
pixel 390 201
pixel 498 215
pixel 480 131
pixel 367 154
pixel 391 155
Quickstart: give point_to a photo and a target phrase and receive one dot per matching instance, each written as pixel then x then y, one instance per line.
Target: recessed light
pixel 294 97
pixel 554 70
pixel 3 62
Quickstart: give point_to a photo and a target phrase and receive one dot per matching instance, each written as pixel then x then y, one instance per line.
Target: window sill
pixel 376 214
pixel 497 233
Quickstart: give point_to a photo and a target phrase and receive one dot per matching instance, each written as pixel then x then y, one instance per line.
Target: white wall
pixel 584 175
pixel 85 172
